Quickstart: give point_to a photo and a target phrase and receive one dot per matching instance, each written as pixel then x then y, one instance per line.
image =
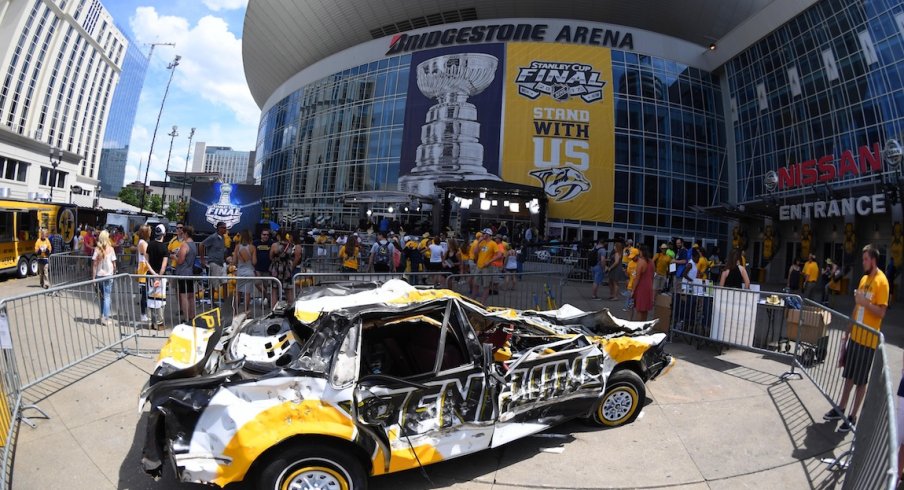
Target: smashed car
pixel 355 381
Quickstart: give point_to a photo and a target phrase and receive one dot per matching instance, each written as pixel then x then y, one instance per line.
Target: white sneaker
pixel 144 318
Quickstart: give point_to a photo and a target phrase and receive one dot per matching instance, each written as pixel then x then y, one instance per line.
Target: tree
pixel 152 203
pixel 130 195
pixel 176 210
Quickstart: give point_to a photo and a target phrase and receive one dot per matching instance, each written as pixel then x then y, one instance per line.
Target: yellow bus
pixel 20 222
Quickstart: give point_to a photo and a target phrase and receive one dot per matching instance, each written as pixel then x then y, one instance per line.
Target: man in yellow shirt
pixel 870 304
pixel 810 275
pixel 487 253
pixel 661 261
pixel 42 251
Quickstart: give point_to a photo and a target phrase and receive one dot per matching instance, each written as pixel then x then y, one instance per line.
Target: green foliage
pixel 153 203
pixel 130 195
pixel 176 211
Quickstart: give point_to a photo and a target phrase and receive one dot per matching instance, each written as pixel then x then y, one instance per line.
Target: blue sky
pixel 208 92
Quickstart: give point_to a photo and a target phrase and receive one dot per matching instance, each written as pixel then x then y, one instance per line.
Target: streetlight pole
pixel 56 155
pixel 184 206
pixel 172 134
pixel 185 170
pixel 172 67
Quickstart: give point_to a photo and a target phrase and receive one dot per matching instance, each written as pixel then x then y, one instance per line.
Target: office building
pixel 234 166
pixel 60 63
pixel 115 152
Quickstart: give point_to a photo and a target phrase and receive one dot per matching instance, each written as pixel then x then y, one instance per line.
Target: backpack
pixel 593 258
pixel 382 257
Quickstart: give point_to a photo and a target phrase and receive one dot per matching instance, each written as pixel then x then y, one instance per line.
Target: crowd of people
pixel 230 260
pixel 640 274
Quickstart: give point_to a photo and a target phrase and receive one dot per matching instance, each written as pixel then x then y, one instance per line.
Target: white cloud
pixel 208 92
pixel 217 5
pixel 211 64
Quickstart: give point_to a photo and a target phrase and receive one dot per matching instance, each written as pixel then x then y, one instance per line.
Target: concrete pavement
pixel 714 421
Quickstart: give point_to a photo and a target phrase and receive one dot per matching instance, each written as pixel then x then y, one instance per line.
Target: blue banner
pixel 237 205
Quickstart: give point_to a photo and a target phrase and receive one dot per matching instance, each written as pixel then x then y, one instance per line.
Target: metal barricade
pixel 526 291
pixel 559 260
pixel 71 267
pixel 51 331
pixel 305 281
pixel 821 344
pixel 831 348
pixel 169 300
pixel 741 318
pixel 874 462
pixel 68 268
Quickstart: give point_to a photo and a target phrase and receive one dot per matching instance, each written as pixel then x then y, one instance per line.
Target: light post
pixel 185 170
pixel 56 155
pixel 74 188
pixel 172 67
pixel 172 134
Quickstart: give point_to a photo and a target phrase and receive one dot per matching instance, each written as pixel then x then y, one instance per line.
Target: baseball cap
pixel 663 246
pixel 160 229
pixel 829 261
pixel 487 231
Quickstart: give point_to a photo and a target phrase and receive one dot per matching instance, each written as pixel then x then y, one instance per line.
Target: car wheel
pixel 33 267
pixel 313 467
pixel 22 268
pixel 622 402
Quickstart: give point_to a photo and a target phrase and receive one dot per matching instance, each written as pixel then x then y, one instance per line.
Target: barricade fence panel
pixel 874 461
pixel 55 329
pixel 304 282
pixel 527 291
pixel 833 351
pixel 70 267
pixel 159 302
pixel 742 318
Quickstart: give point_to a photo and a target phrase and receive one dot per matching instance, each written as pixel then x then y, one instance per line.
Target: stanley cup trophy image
pixel 450 148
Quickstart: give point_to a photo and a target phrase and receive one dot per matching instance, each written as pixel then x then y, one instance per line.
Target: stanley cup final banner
pixel 559 126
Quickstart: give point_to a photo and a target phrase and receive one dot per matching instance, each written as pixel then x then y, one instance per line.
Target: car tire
pixel 623 400
pixel 330 466
pixel 22 268
pixel 33 267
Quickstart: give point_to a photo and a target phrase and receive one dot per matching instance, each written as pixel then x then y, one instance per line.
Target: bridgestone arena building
pixel 768 125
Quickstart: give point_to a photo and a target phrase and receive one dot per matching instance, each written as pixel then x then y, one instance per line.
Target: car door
pixel 546 385
pixel 437 407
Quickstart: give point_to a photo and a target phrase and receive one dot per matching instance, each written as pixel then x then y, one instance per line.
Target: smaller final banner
pixel 559 130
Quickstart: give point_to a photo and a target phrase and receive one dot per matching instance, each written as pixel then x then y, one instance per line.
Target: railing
pixel 815 341
pixel 71 267
pixel 46 333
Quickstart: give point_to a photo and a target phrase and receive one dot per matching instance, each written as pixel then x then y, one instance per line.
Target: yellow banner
pixel 559 129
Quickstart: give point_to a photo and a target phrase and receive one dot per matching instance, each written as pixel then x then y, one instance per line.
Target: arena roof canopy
pixel 283 37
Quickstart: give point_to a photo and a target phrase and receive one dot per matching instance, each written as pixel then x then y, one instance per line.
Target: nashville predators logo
pixel 562 183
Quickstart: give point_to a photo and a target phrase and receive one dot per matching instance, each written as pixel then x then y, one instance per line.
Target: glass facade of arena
pixel 826 84
pixel 343 133
pixel 849 60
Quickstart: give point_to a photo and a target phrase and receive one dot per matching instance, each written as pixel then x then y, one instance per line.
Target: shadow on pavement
pixel 811 440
